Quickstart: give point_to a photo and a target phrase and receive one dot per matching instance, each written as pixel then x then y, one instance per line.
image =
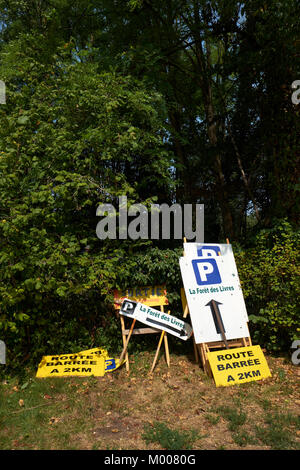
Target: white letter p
pixel 204 269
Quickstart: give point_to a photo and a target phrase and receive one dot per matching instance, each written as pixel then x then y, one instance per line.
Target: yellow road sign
pixel 238 365
pixel 69 365
pixel 150 295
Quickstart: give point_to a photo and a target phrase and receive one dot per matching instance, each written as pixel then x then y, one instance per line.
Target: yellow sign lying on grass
pixel 85 363
pixel 71 365
pixel 110 363
pixel 238 365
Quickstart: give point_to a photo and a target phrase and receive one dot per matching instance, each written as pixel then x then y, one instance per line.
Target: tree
pixel 71 138
pixel 215 63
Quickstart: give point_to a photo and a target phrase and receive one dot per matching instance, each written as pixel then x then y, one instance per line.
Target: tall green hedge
pixel 269 273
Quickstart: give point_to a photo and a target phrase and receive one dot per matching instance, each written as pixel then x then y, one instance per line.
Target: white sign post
pixel 210 283
pixel 156 319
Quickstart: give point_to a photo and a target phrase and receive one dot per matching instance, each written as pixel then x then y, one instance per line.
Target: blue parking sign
pixel 208 250
pixel 206 271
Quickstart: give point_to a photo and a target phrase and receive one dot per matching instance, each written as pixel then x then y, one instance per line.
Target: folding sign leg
pixel 206 361
pixel 202 355
pixel 157 351
pixel 166 344
pixel 196 351
pixel 127 341
pixel 167 349
pixel 249 337
pixel 124 342
pixel 185 314
pixel 163 336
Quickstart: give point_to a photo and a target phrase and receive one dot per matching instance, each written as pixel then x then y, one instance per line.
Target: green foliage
pixel 169 439
pixel 66 134
pixel 269 274
pixel 155 266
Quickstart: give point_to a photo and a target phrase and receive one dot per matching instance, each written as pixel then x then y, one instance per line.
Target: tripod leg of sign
pixel 166 344
pixel 124 342
pixel 203 348
pixel 127 341
pixel 163 336
pixel 167 350
pixel 157 351
pixel 126 334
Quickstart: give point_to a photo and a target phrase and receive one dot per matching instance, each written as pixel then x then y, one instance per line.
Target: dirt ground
pixel 175 408
pixel 184 399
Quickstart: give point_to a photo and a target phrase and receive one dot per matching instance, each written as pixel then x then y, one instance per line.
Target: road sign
pixel 239 365
pixel 156 319
pixel 214 250
pixel 68 365
pixel 209 282
pixel 111 364
pixel 149 295
pixel 207 250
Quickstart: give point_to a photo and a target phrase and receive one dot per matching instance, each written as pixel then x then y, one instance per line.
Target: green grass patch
pixel 169 439
pixel 279 431
pixel 235 417
pixel 38 414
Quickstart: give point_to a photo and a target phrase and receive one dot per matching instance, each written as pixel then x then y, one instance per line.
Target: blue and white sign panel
pixel 207 250
pixel 215 250
pixel 156 319
pixel 214 278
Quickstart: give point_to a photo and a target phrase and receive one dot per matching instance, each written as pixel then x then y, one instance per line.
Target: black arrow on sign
pixel 214 306
pixel 182 331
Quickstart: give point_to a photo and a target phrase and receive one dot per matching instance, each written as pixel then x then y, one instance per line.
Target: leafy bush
pixel 269 274
pixel 65 136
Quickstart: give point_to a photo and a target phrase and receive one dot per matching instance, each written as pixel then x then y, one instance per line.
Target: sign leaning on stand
pixel 218 312
pixel 209 283
pixel 156 319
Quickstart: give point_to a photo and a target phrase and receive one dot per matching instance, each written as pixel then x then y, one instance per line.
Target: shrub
pixel 269 274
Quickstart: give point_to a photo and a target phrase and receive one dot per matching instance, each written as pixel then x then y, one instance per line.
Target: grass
pixel 37 414
pixel 175 408
pixel 274 432
pixel 277 430
pixel 234 417
pixel 167 438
